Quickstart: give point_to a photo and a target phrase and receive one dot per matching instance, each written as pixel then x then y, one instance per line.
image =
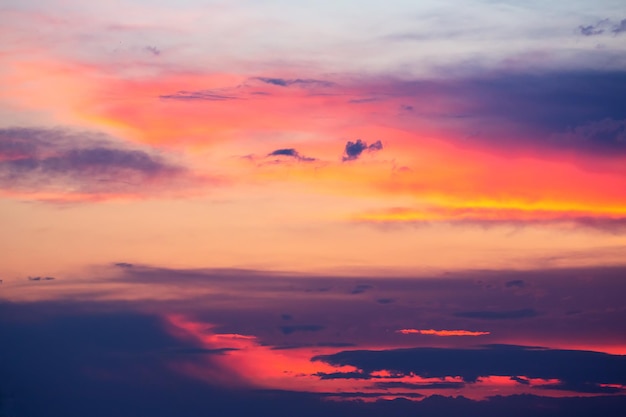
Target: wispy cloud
pixel 292 153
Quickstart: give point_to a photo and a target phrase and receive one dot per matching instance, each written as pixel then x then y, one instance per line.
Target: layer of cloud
pixel 523 313
pixel 573 368
pixel 610 221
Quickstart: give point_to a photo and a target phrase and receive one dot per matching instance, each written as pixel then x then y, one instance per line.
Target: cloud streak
pixel 444 333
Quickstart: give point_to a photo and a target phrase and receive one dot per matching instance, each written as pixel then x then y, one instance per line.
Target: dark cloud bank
pixel 118 358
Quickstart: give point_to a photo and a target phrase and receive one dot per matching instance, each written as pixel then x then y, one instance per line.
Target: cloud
pixel 36 160
pixel 343 375
pixel 291 152
pixel 353 150
pixel 427 385
pixel 123 265
pixel 620 27
pixel 516 283
pixel 41 278
pixel 585 388
pixel 498 315
pixel 608 222
pixel 607 135
pixel 153 50
pixel 569 366
pixel 592 30
pixel 283 82
pixel 301 328
pixel 361 288
pixel 442 332
pixel 200 95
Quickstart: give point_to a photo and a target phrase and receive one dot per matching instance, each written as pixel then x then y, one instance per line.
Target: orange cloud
pixel 442 332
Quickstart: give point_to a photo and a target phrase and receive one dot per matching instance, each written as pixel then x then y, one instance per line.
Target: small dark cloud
pixel 361 288
pixel 406 107
pixel 519 380
pixel 619 28
pixel 123 265
pixel 301 328
pixel 41 278
pixel 343 375
pixel 292 153
pixel 353 150
pixel 153 50
pixel 498 315
pixel 201 95
pixel 385 300
pixel 516 283
pixel 590 30
pixel 286 316
pixel 283 82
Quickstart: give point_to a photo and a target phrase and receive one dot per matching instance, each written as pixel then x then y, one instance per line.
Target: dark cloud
pixel 283 82
pixel 620 27
pixel 569 366
pixel 37 159
pixel 385 300
pixel 361 288
pixel 607 134
pixel 585 388
pixel 290 152
pixel 200 95
pixel 100 359
pixel 343 375
pixel 542 107
pixel 591 30
pixel 301 328
pixel 41 278
pixel 123 265
pixel 153 50
pixel 353 150
pixel 516 283
pixel 602 26
pixel 522 381
pixel 498 315
pixel 202 351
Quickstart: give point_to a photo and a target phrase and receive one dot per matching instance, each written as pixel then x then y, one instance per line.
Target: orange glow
pixel 442 332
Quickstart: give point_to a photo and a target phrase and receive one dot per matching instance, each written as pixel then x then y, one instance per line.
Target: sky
pixel 349 208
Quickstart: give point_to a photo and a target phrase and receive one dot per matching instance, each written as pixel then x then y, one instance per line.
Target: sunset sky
pixel 348 207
